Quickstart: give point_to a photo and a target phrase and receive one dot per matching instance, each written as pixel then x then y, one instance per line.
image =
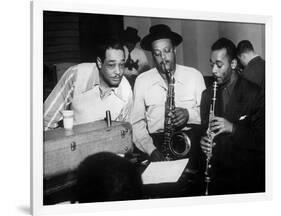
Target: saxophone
pixel 176 144
pixel 211 137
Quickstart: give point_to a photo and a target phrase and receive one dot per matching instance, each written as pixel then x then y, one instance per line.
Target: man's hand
pixel 156 156
pixel 221 125
pixel 205 144
pixel 180 117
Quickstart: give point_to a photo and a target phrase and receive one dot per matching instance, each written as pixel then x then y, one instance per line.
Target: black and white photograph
pixel 138 107
pixel 181 99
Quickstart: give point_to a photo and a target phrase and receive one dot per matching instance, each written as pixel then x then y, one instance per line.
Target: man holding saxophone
pixel 151 90
pixel 235 138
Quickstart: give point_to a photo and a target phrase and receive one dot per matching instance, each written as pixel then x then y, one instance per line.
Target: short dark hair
pixel 228 45
pixel 244 46
pixel 107 43
pixel 107 177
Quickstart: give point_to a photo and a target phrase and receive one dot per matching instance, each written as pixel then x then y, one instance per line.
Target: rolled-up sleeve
pixel 59 98
pixel 141 137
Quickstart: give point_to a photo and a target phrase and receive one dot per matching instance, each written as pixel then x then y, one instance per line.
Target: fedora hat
pixel 160 31
pixel 130 34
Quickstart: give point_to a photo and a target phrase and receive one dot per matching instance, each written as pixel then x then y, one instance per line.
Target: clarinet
pixel 211 136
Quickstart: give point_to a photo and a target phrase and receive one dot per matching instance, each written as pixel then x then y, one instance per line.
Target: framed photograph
pixel 71 124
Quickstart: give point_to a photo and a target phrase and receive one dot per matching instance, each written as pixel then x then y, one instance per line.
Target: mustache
pixel 116 76
pixel 165 62
pixel 165 66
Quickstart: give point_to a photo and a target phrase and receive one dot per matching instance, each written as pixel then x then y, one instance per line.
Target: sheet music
pixel 164 171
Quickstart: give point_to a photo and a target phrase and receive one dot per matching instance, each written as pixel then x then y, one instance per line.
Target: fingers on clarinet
pixel 207 151
pixel 206 139
pixel 204 148
pixel 213 122
pixel 204 143
pixel 215 127
pixel 216 118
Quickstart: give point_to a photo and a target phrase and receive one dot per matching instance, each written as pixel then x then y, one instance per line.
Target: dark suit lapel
pixel 236 106
pixel 205 106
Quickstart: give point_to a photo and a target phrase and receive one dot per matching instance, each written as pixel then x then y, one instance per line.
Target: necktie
pixel 129 62
pixel 219 109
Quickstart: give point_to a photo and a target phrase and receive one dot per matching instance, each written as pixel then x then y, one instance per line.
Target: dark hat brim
pixel 147 40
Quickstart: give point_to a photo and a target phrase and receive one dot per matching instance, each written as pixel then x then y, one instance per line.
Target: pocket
pixel 236 111
pixel 155 106
pixel 158 99
pixel 185 101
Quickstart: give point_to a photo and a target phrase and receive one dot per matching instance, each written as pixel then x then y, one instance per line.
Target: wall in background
pixel 198 37
pixel 245 31
pixel 72 37
pixel 61 41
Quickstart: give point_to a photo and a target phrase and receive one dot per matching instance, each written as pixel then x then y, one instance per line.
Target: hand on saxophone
pixel 221 125
pixel 156 156
pixel 206 145
pixel 180 117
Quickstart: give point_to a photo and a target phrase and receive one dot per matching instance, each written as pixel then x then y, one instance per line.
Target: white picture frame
pixel 37 9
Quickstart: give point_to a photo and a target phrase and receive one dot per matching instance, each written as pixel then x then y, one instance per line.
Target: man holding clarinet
pixel 234 142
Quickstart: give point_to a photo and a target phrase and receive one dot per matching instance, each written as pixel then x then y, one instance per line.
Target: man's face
pixel 221 65
pixel 164 51
pixel 112 68
pixel 130 45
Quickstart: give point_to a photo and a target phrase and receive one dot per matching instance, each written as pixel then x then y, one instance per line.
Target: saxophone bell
pixel 180 144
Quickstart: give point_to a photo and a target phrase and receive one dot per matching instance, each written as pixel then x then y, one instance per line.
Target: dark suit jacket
pixel 255 71
pixel 238 161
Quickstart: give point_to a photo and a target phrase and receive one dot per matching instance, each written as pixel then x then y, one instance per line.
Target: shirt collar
pixel 96 78
pixel 104 92
pixel 94 82
pixel 157 78
pixel 178 75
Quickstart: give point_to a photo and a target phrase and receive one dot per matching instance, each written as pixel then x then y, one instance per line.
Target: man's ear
pixel 234 64
pixel 99 63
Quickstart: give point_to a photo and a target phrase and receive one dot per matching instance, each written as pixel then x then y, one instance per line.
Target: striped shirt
pixel 79 89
